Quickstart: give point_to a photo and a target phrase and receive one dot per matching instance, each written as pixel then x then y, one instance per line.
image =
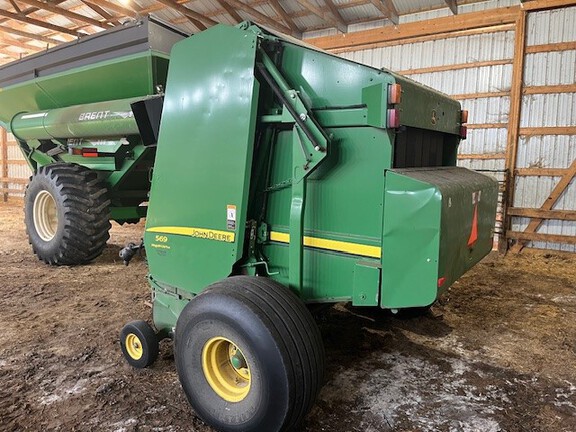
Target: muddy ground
pixel 498 353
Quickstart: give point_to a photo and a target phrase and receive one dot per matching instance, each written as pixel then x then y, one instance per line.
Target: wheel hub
pixel 226 369
pixel 134 346
pixel 45 215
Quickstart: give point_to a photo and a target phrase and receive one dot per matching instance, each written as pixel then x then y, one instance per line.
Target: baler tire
pixel 278 341
pixel 77 230
pixel 139 343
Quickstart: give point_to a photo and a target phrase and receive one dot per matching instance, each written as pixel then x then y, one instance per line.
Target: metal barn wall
pixel 551 104
pixel 14 172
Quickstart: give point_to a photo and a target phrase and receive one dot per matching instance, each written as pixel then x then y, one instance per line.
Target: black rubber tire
pixel 147 340
pixel 280 341
pixel 83 214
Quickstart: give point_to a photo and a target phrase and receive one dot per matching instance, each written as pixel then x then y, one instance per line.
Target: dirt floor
pixel 497 354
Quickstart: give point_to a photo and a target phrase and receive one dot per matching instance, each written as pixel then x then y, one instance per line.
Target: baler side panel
pixel 410 242
pixel 199 197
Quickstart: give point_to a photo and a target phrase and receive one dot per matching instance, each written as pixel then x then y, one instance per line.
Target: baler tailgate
pixel 438 223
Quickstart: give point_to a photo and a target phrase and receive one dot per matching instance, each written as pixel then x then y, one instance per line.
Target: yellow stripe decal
pixel 333 245
pixel 209 234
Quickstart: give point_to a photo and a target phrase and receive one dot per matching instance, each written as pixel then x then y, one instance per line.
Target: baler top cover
pixel 127 61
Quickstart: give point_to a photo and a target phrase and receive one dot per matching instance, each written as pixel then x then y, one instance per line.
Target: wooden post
pixel 4 157
pixel 514 121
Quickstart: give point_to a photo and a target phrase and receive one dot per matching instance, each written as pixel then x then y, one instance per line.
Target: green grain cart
pixel 282 176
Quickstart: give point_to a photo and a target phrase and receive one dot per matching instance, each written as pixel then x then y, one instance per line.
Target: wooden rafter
pixel 285 17
pixel 259 16
pixel 339 24
pixel 336 13
pixel 196 18
pixel 559 189
pixel 230 10
pixel 46 39
pixel 6 40
pixel 453 5
pixel 65 13
pixel 114 7
pixel 107 16
pixel 15 6
pixel 42 24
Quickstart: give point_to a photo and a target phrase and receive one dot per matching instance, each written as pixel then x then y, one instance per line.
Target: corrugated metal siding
pixel 548 110
pixel 15 170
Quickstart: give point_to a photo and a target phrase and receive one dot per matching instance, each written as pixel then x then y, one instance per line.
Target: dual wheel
pixel 248 354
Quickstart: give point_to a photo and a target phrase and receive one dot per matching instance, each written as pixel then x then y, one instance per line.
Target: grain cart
pixel 69 110
pixel 286 176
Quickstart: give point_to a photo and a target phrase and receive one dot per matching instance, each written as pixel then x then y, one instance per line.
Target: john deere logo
pixel 434 118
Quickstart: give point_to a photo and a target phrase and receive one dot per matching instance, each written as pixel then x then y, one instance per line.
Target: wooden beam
pixel 453 67
pixel 259 16
pixel 559 46
pixel 99 11
pixel 114 7
pixel 19 44
pixel 483 156
pixel 4 158
pixel 392 15
pixel 514 116
pixel 38 23
pixel 196 18
pixel 15 6
pixel 473 20
pixel 537 172
pixel 336 13
pixel 20 181
pixel 537 5
pixel 567 215
pixel 230 11
pixel 552 130
pixel 464 96
pixel 438 36
pixel 65 13
pixel 453 5
pixel 392 11
pixel 28 35
pixel 550 238
pixel 563 88
pixel 341 26
pixel 556 193
pixel 487 126
pixel 286 18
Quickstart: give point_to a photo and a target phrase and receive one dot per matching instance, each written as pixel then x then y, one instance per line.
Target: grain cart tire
pixel 249 355
pixel 139 344
pixel 67 214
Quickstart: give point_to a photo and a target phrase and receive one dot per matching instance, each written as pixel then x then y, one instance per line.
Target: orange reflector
pixel 441 281
pixel 393 118
pixel 89 152
pixel 474 231
pixel 394 93
pixel 77 151
pixel 464 116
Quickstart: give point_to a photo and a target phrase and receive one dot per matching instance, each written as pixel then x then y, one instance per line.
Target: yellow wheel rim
pixel 226 369
pixel 134 346
pixel 45 215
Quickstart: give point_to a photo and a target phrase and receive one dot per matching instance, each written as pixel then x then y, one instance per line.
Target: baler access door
pixel 438 223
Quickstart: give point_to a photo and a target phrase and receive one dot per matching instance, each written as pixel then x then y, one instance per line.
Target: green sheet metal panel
pixel 438 223
pixel 410 242
pixel 198 201
pixel 344 204
pixel 130 76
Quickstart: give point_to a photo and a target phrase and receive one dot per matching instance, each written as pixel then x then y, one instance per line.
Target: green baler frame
pixel 301 184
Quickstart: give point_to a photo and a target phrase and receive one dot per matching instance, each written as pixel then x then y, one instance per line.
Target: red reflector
pixel 89 152
pixel 463 132
pixel 464 117
pixel 441 282
pixel 77 151
pixel 394 93
pixel 393 118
